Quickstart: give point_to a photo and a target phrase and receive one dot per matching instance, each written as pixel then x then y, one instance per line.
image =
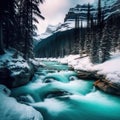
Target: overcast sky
pixel 54 11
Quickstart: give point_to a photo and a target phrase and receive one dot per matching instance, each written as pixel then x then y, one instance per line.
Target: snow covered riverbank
pixel 10 109
pixel 110 69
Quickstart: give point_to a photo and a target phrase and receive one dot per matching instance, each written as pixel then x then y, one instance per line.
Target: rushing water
pixel 59 95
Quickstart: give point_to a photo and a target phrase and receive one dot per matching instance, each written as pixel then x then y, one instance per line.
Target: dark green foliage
pixel 57 45
pixel 94 52
pixel 88 32
pixel 16 25
pixel 99 14
pixel 115 35
pixel 106 44
pixel 7 20
pixel 97 40
pixel 88 16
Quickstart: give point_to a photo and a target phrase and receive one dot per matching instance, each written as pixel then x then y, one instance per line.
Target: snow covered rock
pixel 10 109
pixel 15 70
pixel 108 73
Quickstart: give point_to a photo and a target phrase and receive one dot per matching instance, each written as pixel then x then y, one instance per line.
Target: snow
pixel 36 62
pixel 6 57
pixel 50 30
pixel 105 3
pixel 13 59
pixel 19 63
pixel 10 109
pixel 110 68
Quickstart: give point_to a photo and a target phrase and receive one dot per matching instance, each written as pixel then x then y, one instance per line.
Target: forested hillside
pixel 97 39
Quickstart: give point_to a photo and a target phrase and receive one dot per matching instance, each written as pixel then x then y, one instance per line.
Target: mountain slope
pixel 108 6
pixel 81 10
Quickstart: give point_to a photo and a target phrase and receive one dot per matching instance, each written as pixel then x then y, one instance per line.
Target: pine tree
pixel 2 18
pixel 7 23
pixel 88 39
pixel 118 41
pixel 81 39
pixel 99 14
pixel 27 15
pixel 88 16
pixel 1 37
pixel 94 50
pixel 106 43
pixel 76 36
pixel 115 35
pixel 94 53
pixel 95 45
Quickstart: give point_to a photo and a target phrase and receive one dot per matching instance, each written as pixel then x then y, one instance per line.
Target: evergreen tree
pixel 115 35
pixel 94 56
pixel 28 10
pixel 81 39
pixel 76 36
pixel 88 16
pixel 7 12
pixel 106 44
pixel 99 14
pixel 96 37
pixel 94 53
pixel 16 24
pixel 1 37
pixel 118 41
pixel 88 39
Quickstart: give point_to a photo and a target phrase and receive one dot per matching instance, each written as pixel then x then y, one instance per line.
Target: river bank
pixel 106 75
pixel 54 93
pixel 57 93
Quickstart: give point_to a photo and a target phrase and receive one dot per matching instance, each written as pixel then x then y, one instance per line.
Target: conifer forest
pixel 59 59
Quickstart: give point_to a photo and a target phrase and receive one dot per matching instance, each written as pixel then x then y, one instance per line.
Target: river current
pixel 58 94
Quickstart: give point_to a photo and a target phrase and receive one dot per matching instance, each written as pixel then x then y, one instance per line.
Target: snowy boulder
pixel 14 75
pixel 20 72
pixel 10 109
pixel 14 69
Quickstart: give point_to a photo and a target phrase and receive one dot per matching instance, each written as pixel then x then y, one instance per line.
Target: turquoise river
pixel 58 94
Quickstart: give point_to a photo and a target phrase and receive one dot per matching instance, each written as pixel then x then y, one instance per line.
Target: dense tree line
pixel 17 26
pixel 97 40
pixel 103 35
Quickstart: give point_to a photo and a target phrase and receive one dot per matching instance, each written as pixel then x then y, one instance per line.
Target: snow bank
pixel 110 68
pixel 10 109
